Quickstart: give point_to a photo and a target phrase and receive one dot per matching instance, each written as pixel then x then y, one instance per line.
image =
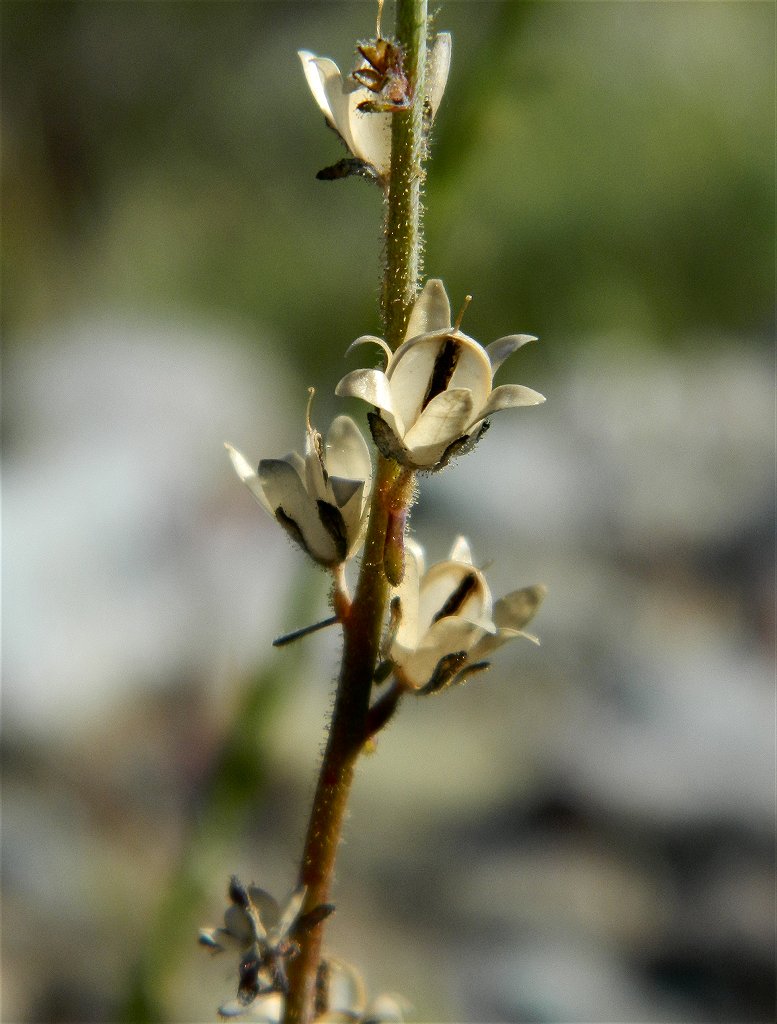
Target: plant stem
pixel 363 622
pixel 348 732
pixel 404 214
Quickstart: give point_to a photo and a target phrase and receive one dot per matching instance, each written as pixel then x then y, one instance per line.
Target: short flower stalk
pixel 407 630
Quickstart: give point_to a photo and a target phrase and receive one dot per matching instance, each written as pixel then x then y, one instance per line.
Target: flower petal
pixel 320 73
pixel 439 66
pixel 370 131
pixel 248 476
pixel 291 910
pixel 431 310
pixel 418 363
pixel 431 363
pixel 282 485
pixel 238 924
pixel 297 463
pixel 315 473
pixel 500 349
pixel 491 641
pixel 408 592
pixel 508 396
pixel 442 421
pixel 460 551
pixel 447 636
pixel 516 609
pixel 349 499
pixel 371 386
pixel 473 369
pixel 453 634
pixel 347 454
pixel 289 500
pixel 417 553
pixel 453 589
pixel 371 339
pixel 410 373
pixel 266 906
pixel 367 135
pixel 344 490
pixel 354 513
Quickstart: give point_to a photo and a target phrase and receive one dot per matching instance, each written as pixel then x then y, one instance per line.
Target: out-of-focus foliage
pixel 608 167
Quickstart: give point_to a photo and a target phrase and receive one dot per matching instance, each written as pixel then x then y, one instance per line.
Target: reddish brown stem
pixel 361 642
pixel 363 619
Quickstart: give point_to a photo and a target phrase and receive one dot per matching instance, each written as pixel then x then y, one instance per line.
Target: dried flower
pixel 446 621
pixel 265 934
pixel 321 499
pixel 435 394
pixel 366 133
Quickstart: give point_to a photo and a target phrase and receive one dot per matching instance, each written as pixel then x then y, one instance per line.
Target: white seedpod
pixel 448 622
pixel 319 499
pixel 436 391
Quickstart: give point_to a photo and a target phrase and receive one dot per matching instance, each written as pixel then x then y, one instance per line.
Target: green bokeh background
pixel 599 168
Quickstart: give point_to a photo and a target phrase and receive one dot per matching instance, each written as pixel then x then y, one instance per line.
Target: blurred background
pixel 584 834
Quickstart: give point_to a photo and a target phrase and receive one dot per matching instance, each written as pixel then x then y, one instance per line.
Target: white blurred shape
pixel 677 449
pixel 568 979
pixel 131 554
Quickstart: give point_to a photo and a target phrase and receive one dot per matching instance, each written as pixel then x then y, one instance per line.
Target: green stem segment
pixel 362 625
pixel 404 238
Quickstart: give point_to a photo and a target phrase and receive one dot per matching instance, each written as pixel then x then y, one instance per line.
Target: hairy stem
pixel 362 625
pixel 404 227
